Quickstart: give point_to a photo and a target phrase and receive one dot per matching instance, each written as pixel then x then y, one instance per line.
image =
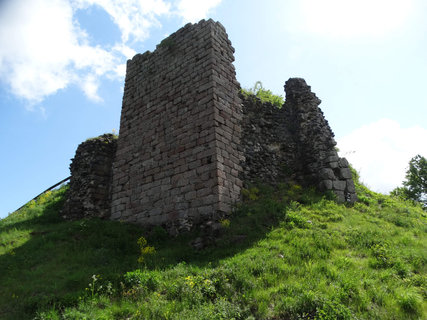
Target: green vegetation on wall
pixel 263 94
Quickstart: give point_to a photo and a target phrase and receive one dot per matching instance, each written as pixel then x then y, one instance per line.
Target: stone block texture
pixel 188 140
pixel 293 144
pixel 269 148
pixel 89 191
pixel 319 164
pixel 178 155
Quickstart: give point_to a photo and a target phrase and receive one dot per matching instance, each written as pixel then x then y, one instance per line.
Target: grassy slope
pixel 285 254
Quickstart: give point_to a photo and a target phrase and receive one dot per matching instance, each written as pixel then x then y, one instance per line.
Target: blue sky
pixel 62 67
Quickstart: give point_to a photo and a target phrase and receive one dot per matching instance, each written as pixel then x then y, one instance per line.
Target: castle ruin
pixel 189 141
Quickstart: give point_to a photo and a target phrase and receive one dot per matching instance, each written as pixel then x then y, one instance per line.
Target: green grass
pixel 265 95
pixel 285 253
pixel 45 261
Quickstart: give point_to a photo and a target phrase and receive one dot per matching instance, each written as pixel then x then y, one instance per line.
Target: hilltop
pixel 284 253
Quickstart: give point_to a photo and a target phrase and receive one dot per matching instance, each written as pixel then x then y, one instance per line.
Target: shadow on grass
pixel 55 265
pixel 263 209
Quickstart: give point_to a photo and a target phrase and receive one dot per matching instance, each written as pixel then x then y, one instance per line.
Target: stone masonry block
pixel 350 186
pixel 326 174
pixel 345 173
pixel 339 185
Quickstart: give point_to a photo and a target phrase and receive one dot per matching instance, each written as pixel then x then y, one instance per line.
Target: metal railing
pixel 48 189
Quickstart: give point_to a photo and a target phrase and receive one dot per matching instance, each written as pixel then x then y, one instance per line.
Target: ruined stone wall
pixel 293 143
pixel 177 158
pixel 268 146
pixel 188 142
pixel 89 191
pixel 319 164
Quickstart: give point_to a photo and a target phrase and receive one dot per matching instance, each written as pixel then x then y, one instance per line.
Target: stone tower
pixel 177 154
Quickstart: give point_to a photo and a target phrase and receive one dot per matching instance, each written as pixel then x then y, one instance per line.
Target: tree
pixel 415 185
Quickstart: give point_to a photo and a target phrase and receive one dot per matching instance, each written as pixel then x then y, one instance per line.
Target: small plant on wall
pixel 264 95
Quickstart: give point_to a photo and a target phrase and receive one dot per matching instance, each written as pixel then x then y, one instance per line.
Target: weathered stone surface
pixel 89 192
pixel 326 174
pixel 326 185
pixel 344 173
pixel 267 144
pixel 343 163
pixel 293 143
pixel 189 142
pixel 339 185
pixel 333 164
pixel 177 156
pixel 350 186
pixel 341 198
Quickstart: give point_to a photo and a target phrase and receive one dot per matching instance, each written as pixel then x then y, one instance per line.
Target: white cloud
pixel 25 31
pixel 133 17
pixel 42 51
pixel 43 48
pixel 381 152
pixel 124 50
pixel 90 87
pixel 194 10
pixel 349 18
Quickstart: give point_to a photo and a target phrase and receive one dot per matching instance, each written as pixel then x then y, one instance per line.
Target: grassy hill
pixel 284 253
